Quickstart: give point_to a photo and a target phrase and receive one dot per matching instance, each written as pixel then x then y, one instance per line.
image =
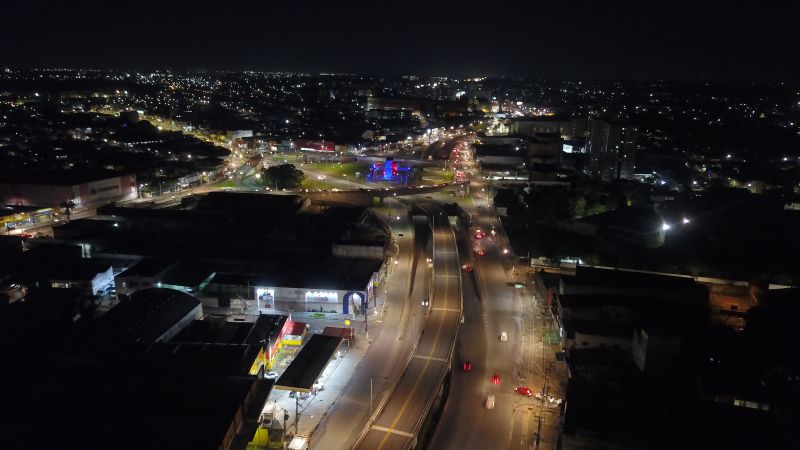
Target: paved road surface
pixel 390 349
pixel 465 422
pixel 395 424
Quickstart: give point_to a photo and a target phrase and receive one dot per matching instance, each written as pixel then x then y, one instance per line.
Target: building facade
pixel 612 149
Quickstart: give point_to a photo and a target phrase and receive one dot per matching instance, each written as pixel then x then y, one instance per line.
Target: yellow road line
pixel 419 379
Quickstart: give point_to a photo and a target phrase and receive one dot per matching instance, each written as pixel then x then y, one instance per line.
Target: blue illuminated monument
pixel 388 171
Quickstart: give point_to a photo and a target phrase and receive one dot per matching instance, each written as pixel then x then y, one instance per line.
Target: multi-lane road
pixel 490 309
pixel 396 423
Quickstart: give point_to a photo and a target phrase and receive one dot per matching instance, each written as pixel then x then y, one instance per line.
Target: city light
pixel 665 226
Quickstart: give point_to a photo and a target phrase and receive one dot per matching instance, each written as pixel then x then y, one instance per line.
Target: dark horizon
pixel 582 40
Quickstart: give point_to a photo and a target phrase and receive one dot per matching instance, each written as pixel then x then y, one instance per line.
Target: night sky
pixel 571 39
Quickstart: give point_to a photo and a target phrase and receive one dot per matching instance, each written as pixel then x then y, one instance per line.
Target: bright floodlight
pixel 685 220
pixel 665 226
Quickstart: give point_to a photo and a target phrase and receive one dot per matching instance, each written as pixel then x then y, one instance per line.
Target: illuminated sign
pixel 266 297
pixel 321 297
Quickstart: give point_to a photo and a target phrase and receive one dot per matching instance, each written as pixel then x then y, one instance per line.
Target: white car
pixel 272 375
pixel 490 402
pixel 503 336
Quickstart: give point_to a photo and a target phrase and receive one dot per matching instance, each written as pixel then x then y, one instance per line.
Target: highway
pixel 393 334
pixel 397 420
pixel 510 424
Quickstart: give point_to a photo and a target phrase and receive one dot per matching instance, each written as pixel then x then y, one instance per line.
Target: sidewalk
pixel 313 409
pixel 364 380
pixel 546 376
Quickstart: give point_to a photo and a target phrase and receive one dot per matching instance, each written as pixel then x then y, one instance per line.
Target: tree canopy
pixel 283 176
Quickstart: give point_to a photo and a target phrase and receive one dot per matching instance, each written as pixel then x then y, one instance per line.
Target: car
pixel 467 268
pixel 479 252
pixel 524 390
pixel 496 378
pixel 467 366
pixel 490 402
pixel 271 375
pixel 503 336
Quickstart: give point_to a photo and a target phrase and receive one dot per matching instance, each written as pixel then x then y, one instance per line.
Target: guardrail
pixel 446 367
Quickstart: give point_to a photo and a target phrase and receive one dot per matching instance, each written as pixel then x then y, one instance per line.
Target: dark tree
pixel 68 205
pixel 283 176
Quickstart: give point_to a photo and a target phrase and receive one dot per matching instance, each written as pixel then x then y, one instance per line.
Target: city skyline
pixel 307 225
pixel 644 40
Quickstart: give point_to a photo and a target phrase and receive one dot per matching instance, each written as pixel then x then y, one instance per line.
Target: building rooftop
pixel 69 177
pixel 147 315
pixel 253 330
pixel 314 273
pixel 91 409
pixel 186 275
pixel 591 276
pixel 148 268
pixel 189 358
pixel 508 150
pixel 309 363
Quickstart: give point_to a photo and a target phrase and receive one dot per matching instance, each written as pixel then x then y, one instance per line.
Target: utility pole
pixel 296 413
pixel 285 419
pixel 538 431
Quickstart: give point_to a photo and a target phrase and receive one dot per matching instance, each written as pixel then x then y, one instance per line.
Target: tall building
pixel 612 149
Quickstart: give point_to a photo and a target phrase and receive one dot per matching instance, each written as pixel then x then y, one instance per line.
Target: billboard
pixel 315 146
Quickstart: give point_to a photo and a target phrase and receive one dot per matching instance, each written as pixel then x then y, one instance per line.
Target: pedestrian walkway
pixel 539 368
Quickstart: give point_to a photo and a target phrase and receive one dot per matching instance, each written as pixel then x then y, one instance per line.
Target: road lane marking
pixel 432 358
pixel 413 388
pixel 388 430
pixel 419 378
pixel 446 276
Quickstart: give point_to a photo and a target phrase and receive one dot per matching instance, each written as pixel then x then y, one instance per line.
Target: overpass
pixel 365 196
pixel 398 419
